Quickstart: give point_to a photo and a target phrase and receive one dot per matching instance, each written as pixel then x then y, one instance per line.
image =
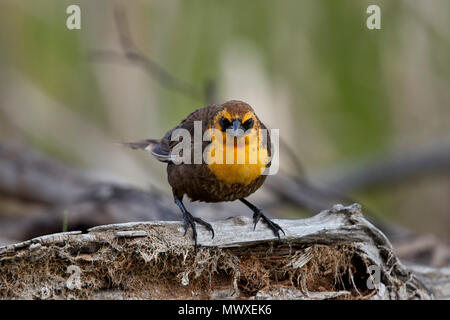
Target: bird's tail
pixel 151 145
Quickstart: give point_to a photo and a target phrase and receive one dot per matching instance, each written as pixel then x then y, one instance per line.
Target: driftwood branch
pixel 335 254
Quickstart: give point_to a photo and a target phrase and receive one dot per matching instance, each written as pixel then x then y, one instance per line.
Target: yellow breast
pixel 241 163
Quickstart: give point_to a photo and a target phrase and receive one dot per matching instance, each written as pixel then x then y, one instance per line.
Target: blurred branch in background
pixel 398 167
pixel 132 55
pixel 36 191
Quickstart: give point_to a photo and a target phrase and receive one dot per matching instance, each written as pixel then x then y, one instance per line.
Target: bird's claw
pixel 256 218
pixel 258 215
pixel 190 220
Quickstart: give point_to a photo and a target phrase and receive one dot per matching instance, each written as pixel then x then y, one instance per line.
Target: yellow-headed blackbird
pixel 213 181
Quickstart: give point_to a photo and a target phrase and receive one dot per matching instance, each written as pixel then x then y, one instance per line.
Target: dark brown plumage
pixel 219 182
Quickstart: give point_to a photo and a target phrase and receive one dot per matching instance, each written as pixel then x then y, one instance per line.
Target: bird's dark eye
pixel 248 124
pixel 224 123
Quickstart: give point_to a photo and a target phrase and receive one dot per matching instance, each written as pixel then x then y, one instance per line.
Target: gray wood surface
pixel 155 260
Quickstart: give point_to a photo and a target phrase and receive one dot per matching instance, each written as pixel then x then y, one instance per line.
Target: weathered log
pixel 336 254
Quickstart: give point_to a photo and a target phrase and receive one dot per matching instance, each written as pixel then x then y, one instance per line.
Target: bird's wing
pixel 161 149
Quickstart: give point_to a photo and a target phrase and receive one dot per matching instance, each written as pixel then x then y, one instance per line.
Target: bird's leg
pixel 190 220
pixel 258 214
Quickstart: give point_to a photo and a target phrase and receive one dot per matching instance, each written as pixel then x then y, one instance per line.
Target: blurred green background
pixel 339 93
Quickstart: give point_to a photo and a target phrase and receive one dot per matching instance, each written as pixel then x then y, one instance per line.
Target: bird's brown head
pixel 237 118
pixel 243 158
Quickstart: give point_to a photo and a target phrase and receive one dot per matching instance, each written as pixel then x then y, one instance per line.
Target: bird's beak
pixel 237 128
